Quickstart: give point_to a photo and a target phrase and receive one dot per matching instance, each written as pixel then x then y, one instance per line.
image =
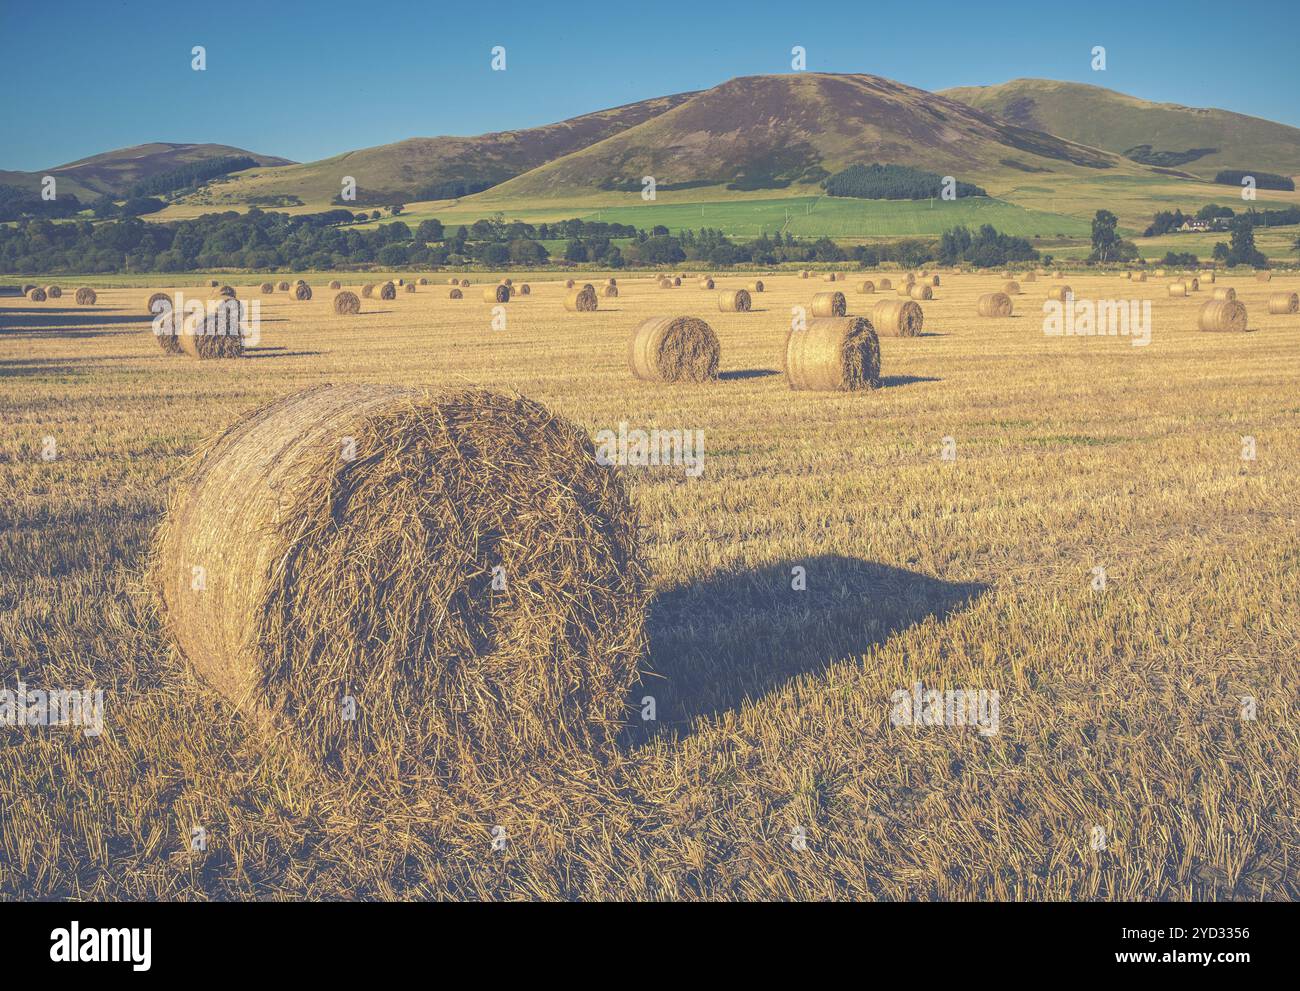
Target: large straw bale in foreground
pixel 347 303
pixel 898 317
pixel 1222 315
pixel 674 349
pixel 840 354
pixel 994 304
pixel 372 577
pixel 85 296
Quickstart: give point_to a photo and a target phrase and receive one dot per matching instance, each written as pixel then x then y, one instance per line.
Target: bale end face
pixel 347 303
pixel 85 296
pixel 674 349
pixel 321 578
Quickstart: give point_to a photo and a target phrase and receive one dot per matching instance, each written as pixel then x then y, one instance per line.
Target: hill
pixel 408 169
pixel 790 131
pixel 114 172
pixel 1195 140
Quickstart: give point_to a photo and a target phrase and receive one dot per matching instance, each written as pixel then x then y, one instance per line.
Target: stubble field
pixel 1121 709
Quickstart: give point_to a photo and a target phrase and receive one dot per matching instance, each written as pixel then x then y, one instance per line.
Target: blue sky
pixel 308 80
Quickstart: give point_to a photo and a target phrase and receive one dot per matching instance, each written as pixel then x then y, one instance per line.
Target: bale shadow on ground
pixel 889 381
pixel 747 373
pixel 276 352
pixel 738 636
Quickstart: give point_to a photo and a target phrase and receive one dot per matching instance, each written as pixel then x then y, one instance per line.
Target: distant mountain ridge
pixel 1197 140
pixel 113 173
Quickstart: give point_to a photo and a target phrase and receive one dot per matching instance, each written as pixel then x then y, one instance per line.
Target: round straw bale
pixel 219 335
pixel 665 283
pixel 921 291
pixel 464 283
pixel 1225 294
pixel 163 322
pixel 496 294
pixel 335 284
pixel 1283 302
pixel 508 282
pixel 994 304
pixel 804 274
pixel 299 282
pixel 611 281
pixel 609 291
pixel 734 301
pixel 1194 285
pixel 367 290
pixel 706 283
pixel 455 294
pixel 54 292
pixel 410 287
pixel 829 304
pixel 581 300
pixel 1208 277
pixel 674 349
pixel 1011 288
pixel 1159 273
pixel 1061 275
pixel 677 280
pixel 1059 293
pixel 934 280
pixel 867 287
pixel 840 354
pixel 525 289
pixel 756 285
pixel 885 284
pixel 1222 315
pixel 267 287
pixel 346 303
pixel 301 291
pixel 898 317
pixel 1178 289
pixel 1126 276
pixel 1029 277
pixel 387 291
pixel 423 281
pixel 214 283
pixel 283 286
pixel 569 283
pixel 375 576
pixel 1263 276
pixel 453 281
pixel 85 296
pixel 1139 276
pixel 36 294
pixel 829 277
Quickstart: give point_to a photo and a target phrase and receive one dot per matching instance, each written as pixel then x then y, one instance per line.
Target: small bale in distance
pixel 829 304
pixel 756 285
pixel 455 293
pixel 36 294
pixel 898 317
pixel 267 287
pixel 283 286
pixel 581 300
pixel 1177 289
pixel 832 354
pixel 496 294
pixel 302 292
pixel 1059 293
pixel 1222 315
pixel 54 292
pixel 674 349
pixel 387 291
pixel 734 301
pixel 867 287
pixel 335 284
pixel 1011 288
pixel 921 291
pixel 994 304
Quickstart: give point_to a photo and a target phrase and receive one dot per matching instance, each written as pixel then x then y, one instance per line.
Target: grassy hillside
pixel 114 172
pixel 405 166
pixel 788 131
pixel 1120 123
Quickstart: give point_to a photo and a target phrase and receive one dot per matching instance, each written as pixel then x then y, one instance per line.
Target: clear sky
pixel 310 80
